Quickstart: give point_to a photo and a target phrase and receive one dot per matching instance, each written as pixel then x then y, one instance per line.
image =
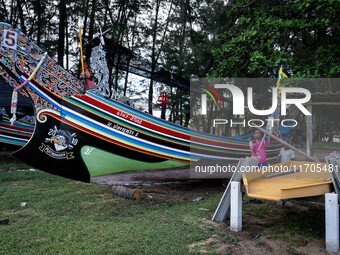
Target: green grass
pixel 228 237
pixel 299 225
pixel 260 242
pixel 66 217
pixel 326 146
pixel 290 225
pixel 296 227
pixel 256 210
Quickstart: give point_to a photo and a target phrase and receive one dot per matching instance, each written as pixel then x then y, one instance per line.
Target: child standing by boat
pixel 254 145
pixel 285 155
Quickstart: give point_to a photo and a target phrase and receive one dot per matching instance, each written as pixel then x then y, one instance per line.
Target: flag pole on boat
pixel 81 53
pixel 281 75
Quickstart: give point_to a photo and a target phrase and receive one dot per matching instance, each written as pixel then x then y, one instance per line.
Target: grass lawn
pixel 68 217
pixel 12 163
pixel 326 146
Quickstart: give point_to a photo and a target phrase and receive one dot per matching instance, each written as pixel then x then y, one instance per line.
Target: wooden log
pixel 122 191
pixel 285 144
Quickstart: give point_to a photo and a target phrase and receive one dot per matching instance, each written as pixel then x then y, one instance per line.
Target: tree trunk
pixel 4 8
pixel 92 19
pixel 111 79
pixel 12 12
pixel 21 17
pixel 130 48
pixel 39 11
pixel 116 81
pixel 85 18
pixel 61 40
pixel 153 56
pixel 126 77
pixel 67 48
pixel 181 107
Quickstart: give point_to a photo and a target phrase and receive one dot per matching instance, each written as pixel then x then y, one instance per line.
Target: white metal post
pixel 332 222
pixel 235 207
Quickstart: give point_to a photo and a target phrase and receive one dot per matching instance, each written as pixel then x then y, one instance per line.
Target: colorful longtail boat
pixel 86 136
pixel 13 137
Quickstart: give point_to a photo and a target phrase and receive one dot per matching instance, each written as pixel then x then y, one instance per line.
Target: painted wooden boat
pixel 83 135
pixel 13 137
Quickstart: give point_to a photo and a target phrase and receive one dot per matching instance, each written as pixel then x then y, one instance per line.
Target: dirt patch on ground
pixel 182 191
pixel 268 228
pixel 294 227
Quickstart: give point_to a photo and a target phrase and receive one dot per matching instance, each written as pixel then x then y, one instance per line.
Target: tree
pixel 193 32
pixel 153 52
pixel 62 26
pixel 39 7
pixel 303 36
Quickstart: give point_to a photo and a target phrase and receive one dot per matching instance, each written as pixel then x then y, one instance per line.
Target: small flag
pixel 280 76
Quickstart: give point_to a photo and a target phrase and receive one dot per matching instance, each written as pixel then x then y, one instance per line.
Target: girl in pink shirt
pixel 254 147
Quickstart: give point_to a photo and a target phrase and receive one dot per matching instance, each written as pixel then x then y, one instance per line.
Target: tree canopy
pixel 301 35
pixel 200 38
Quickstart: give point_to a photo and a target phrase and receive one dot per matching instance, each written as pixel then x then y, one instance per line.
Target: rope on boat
pixel 14 103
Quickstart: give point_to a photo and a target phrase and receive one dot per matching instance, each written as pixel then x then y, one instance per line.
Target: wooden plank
pixel 286 144
pixel 278 174
pixel 223 209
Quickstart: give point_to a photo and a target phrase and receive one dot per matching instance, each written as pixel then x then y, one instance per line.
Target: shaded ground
pixel 320 154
